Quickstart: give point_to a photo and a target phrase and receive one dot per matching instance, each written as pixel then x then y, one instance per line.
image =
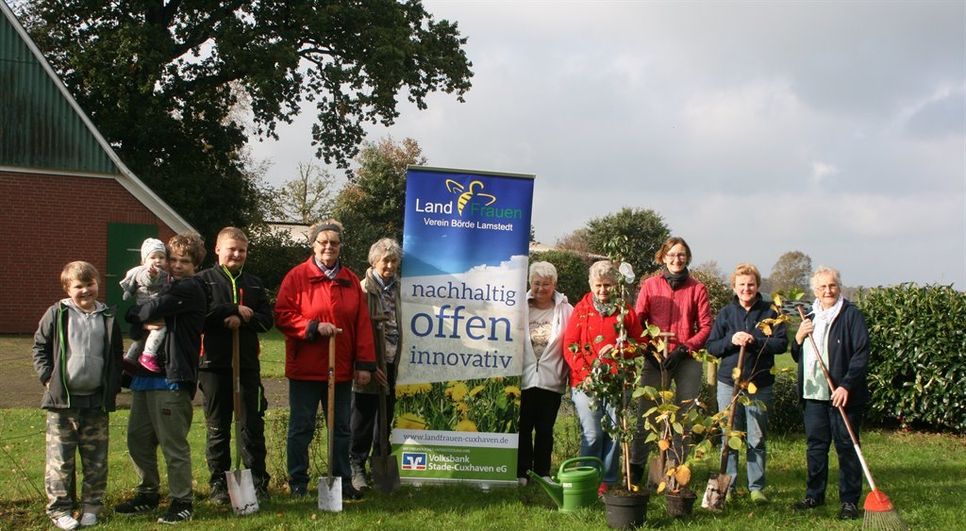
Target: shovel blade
pixel 385 473
pixel 716 494
pixel 241 491
pixel 330 494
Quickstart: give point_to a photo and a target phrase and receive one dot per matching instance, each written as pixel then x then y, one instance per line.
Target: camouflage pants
pixel 69 432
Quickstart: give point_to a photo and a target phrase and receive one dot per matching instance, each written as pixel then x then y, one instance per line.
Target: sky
pixel 753 128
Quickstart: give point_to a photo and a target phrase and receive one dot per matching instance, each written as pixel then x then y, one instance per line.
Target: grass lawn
pixel 273 354
pixel 924 474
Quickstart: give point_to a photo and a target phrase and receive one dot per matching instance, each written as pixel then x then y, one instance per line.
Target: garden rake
pixel 879 511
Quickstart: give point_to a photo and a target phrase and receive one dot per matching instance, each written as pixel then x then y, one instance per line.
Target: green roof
pixel 41 126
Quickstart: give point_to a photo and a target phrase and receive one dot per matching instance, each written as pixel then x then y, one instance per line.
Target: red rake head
pixel 878 502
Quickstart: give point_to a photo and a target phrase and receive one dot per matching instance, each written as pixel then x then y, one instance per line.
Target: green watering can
pixel 578 484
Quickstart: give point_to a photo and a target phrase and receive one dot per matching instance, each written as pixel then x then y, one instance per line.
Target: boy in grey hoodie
pixel 77 354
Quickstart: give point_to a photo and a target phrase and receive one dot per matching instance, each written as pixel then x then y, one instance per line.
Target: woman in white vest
pixel 544 370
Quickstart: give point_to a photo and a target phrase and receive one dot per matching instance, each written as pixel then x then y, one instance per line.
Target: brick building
pixel 64 193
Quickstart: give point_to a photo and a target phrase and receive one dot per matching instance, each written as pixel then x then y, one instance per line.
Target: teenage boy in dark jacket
pixel 237 302
pixel 161 405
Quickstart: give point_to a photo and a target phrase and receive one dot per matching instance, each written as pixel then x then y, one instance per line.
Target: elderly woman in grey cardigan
pixel 544 370
pixel 381 287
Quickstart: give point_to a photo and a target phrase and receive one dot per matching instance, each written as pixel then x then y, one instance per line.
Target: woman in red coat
pixel 318 298
pixel 677 303
pixel 591 333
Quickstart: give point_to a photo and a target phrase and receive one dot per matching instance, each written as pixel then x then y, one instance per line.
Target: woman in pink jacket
pixel 677 303
pixel 318 298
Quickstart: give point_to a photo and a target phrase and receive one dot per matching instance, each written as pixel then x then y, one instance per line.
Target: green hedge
pixel 271 256
pixel 719 293
pixel 572 270
pixel 917 368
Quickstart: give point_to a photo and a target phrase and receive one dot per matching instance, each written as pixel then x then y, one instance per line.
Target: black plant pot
pixel 626 510
pixel 680 505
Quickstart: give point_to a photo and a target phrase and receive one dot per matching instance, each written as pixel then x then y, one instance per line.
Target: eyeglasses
pixel 331 243
pixel 679 256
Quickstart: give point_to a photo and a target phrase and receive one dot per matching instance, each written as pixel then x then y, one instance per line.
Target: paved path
pixel 23 390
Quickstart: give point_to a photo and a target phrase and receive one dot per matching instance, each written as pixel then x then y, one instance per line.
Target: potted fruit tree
pixel 612 381
pixel 683 433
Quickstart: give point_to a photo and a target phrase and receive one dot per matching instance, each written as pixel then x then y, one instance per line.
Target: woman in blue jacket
pixel 842 337
pixel 737 326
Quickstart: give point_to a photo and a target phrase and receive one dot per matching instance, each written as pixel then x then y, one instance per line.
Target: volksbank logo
pixel 413 461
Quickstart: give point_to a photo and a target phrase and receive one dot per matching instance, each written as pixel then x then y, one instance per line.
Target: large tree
pixel 372 204
pixel 306 198
pixel 791 271
pixel 576 241
pixel 160 80
pixel 634 234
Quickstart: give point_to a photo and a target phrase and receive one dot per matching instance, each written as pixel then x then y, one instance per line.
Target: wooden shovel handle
pixel 330 407
pixel 236 392
pixel 731 414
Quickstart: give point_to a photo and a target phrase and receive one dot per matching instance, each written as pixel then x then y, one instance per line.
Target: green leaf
pixel 735 443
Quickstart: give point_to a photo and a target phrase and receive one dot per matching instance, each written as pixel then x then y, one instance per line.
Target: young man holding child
pixel 238 302
pixel 161 405
pixel 77 354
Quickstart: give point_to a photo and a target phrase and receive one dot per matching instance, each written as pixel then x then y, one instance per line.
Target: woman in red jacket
pixel 677 303
pixel 590 333
pixel 318 298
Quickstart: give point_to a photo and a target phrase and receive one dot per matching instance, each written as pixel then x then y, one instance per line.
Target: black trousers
pixel 538 413
pixel 823 426
pixel 365 416
pixel 219 405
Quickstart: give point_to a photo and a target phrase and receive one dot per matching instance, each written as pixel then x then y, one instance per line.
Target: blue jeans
pixel 304 398
pixel 753 420
pixel 594 441
pixel 823 425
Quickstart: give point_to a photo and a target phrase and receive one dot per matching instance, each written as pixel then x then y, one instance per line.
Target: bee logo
pixel 466 194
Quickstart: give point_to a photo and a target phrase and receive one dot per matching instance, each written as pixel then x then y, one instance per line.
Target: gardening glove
pixel 675 357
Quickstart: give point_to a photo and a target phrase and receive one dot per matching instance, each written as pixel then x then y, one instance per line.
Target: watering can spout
pixel 555 490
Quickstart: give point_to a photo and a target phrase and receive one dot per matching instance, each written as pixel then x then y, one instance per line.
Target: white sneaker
pixel 66 522
pixel 88 520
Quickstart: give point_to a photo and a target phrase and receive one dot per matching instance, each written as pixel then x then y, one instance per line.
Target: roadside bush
pixel 918 359
pixel 271 256
pixel 719 293
pixel 785 415
pixel 571 272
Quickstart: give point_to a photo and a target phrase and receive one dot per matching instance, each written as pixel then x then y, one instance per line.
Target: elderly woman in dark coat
pixel 842 338
pixel 381 288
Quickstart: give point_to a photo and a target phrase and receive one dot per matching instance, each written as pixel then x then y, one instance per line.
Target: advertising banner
pixel 464 272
